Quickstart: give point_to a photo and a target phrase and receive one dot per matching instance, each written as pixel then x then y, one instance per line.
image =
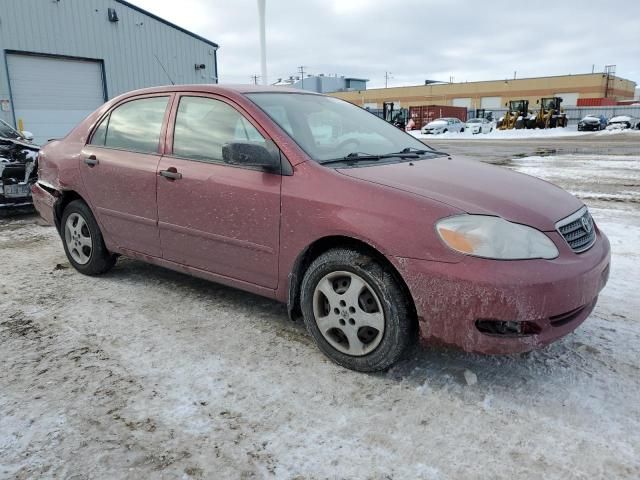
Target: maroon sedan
pixel 372 237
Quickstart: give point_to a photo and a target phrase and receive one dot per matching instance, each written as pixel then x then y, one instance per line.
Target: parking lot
pixel 148 373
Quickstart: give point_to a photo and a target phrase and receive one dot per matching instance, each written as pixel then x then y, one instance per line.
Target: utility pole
pixel 255 78
pixel 301 72
pixel 387 76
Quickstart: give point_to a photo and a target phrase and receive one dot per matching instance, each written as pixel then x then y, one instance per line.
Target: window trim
pixel 285 165
pixel 163 128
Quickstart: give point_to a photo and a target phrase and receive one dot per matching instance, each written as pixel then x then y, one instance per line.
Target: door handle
pixel 170 174
pixel 91 160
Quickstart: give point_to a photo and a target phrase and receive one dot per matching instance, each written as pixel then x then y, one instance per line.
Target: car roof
pixel 217 88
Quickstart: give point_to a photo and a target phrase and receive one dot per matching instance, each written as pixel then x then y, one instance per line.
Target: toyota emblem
pixel 586 223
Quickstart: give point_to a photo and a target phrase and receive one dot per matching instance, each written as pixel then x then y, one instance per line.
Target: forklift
pixel 397 119
pixel 483 113
pixel 551 113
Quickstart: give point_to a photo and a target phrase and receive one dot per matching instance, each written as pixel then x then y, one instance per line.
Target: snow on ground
pixel 147 373
pixel 571 131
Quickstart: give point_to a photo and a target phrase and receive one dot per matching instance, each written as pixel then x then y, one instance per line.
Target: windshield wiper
pixel 419 151
pixel 359 157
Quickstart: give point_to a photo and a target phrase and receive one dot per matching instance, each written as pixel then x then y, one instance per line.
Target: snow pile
pixel 505 134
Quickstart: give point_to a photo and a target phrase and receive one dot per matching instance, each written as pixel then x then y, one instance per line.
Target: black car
pixel 18 160
pixel 592 122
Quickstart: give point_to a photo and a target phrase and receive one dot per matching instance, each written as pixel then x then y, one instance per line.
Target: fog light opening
pixel 507 328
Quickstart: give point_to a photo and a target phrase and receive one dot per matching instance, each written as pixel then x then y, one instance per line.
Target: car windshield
pixel 328 128
pixel 7 131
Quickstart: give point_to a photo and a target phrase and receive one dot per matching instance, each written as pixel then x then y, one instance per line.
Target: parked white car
pixel 622 122
pixel 479 125
pixel 443 125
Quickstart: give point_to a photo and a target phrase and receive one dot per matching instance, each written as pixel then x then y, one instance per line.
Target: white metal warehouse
pixel 61 59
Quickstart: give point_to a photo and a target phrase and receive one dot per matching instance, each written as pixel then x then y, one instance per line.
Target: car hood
pixel 476 187
pixel 620 118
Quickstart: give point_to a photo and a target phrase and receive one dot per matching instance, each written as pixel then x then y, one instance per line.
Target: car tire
pixel 82 240
pixel 356 311
pixel 444 131
pixel 462 130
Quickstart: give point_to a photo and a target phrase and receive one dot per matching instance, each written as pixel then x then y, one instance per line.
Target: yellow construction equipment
pixel 551 113
pixel 515 116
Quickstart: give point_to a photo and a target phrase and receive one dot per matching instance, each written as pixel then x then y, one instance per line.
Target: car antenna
pixel 165 70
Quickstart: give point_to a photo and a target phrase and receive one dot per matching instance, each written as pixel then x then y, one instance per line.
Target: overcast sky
pixel 415 39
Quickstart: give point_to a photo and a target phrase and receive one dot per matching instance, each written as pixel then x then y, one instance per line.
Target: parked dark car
pixel 18 158
pixel 369 235
pixel 592 122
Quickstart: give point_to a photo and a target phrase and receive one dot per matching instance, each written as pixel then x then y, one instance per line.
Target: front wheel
pixel 356 311
pixel 83 242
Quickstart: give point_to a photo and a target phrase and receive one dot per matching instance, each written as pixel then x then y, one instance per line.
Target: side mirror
pixel 27 136
pixel 250 155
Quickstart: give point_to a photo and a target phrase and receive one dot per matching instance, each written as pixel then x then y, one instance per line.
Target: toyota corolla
pixel 370 236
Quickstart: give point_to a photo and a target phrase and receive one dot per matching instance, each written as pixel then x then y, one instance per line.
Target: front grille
pixel 578 230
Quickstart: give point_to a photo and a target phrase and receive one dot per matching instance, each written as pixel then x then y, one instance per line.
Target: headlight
pixel 494 237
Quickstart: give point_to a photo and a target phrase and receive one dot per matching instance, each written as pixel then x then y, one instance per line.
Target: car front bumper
pixel 455 302
pixel 589 127
pixel 12 200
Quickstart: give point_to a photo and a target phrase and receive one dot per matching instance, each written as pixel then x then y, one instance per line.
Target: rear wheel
pixel 356 311
pixel 82 240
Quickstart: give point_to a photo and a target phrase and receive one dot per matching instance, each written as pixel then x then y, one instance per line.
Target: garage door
pixel 491 102
pixel 52 95
pixel 568 99
pixel 462 102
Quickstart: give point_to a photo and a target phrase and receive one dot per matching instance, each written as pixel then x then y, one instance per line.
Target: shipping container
pixel 424 114
pixel 596 102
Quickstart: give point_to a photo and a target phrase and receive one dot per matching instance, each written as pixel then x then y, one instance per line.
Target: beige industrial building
pixel 495 93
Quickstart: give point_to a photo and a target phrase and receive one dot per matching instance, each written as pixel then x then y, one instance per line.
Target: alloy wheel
pixel 348 313
pixel 78 238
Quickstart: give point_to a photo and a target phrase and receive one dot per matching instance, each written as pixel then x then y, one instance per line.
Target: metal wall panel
pixel 134 50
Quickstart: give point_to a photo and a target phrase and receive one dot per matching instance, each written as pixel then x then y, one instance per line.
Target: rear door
pixel 119 171
pixel 217 217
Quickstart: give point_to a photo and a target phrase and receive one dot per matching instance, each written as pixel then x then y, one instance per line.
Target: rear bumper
pixel 44 202
pixel 553 297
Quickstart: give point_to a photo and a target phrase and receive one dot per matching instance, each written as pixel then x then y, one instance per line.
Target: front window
pixel 204 125
pixel 327 128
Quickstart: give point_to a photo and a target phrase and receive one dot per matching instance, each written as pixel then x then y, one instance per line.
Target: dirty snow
pixel 147 373
pixel 523 134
